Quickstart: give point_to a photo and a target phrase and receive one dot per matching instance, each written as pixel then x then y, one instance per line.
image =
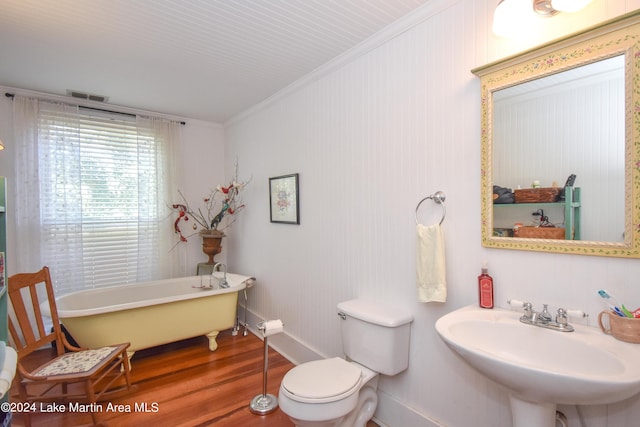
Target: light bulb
pixel 510 16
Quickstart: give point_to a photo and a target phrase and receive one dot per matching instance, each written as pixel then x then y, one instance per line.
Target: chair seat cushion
pixel 76 362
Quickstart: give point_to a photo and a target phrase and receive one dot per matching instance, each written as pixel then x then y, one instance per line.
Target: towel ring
pixel 438 197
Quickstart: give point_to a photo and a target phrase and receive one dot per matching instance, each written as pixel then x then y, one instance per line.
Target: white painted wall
pixel 371 134
pixel 201 170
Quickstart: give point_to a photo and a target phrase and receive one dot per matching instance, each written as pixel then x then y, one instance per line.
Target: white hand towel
pixel 430 264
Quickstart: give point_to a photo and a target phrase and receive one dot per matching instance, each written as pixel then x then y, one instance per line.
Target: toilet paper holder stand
pixel 265 403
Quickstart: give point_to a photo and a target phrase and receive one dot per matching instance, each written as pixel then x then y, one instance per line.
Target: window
pixel 103 186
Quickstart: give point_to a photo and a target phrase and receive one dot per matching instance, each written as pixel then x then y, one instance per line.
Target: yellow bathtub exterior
pixel 173 310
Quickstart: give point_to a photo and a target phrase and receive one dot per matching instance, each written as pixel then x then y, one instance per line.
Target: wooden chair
pixel 73 374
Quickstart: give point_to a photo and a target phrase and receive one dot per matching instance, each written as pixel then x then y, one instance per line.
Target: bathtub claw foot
pixel 213 345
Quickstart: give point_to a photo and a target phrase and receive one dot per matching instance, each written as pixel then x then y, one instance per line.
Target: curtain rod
pixel 12 95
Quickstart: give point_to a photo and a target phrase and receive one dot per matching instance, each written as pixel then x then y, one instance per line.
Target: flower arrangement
pixel 221 202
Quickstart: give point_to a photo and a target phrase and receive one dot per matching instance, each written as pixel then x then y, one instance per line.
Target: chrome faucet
pixel 544 318
pixel 223 283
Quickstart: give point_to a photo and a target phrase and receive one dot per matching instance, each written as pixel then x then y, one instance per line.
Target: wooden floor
pixel 184 384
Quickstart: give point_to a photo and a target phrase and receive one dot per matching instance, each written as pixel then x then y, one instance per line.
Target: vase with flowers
pixel 219 211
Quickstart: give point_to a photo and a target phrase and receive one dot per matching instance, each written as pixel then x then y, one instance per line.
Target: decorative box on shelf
pixel 539 232
pixel 537 195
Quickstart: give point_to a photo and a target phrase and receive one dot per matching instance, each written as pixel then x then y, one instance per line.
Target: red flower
pixel 221 201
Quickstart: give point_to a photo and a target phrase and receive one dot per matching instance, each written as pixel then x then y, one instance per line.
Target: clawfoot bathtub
pixel 152 313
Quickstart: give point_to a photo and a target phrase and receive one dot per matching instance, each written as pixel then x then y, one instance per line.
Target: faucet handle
pixel 515 303
pixel 561 320
pixel 528 310
pixel 561 317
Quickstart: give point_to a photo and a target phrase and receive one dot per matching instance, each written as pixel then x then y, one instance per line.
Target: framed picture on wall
pixel 284 198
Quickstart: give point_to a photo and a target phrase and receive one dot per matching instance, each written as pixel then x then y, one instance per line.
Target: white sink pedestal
pixel 532 414
pixel 541 368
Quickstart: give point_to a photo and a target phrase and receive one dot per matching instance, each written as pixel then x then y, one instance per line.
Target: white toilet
pixel 343 393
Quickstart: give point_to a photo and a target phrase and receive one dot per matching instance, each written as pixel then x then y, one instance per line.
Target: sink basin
pixel 540 367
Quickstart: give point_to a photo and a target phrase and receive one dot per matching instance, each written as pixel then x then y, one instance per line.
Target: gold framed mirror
pixel 569 107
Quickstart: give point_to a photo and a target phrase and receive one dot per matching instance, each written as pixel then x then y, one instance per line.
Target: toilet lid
pixel 322 379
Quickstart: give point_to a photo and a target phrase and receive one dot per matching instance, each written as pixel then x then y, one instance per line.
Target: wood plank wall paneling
pixel 369 140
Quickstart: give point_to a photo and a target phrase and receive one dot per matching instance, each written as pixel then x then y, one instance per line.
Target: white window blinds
pixel 104 189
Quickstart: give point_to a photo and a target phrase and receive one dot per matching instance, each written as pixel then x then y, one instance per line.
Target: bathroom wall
pixel 201 169
pixel 371 134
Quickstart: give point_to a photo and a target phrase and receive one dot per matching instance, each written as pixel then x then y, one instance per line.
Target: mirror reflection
pixel 549 128
pixel 565 109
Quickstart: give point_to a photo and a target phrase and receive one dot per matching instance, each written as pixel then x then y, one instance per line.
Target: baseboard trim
pixel 394 413
pixel 288 346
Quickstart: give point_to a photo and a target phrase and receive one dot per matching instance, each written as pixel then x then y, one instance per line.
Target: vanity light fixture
pixel 544 8
pixel 510 15
pixel 1 145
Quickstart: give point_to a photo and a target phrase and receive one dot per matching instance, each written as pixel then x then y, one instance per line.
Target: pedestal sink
pixel 542 368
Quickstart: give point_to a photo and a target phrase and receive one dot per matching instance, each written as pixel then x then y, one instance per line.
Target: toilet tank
pixel 376 335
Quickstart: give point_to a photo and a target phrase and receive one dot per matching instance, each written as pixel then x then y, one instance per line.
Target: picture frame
pixel 284 199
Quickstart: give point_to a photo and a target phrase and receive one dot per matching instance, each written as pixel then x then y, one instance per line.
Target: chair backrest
pixel 28 328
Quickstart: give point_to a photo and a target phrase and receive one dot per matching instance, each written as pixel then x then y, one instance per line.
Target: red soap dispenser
pixel 485 288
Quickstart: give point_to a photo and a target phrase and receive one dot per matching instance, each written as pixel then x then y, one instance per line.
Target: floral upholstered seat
pixel 75 363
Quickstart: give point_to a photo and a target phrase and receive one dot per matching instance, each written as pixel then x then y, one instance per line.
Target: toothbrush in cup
pixel 614 305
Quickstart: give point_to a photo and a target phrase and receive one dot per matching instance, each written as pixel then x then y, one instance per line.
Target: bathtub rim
pixel 237 283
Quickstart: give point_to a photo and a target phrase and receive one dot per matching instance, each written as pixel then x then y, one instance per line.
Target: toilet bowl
pixel 339 393
pixel 329 393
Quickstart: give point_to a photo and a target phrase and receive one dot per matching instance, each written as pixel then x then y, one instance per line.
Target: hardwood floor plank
pixel 184 384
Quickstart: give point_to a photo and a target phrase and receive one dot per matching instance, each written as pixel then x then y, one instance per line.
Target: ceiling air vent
pixel 88 96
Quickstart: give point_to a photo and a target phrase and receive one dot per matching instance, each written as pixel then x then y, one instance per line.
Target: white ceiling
pixel 202 59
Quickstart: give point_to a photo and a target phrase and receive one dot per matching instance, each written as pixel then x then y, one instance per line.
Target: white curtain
pixel 96 213
pixel 163 260
pixel 27 189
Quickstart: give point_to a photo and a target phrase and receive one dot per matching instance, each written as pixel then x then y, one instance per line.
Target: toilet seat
pixel 322 381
